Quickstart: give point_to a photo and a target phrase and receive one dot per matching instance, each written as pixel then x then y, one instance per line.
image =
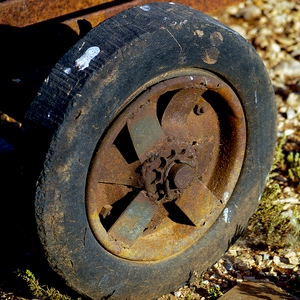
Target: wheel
pixel 162 130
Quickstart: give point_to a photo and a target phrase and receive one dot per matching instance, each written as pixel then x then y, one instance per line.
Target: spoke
pixel 134 220
pixel 145 130
pixel 174 120
pixel 203 122
pixel 198 203
pixel 205 152
pixel 115 169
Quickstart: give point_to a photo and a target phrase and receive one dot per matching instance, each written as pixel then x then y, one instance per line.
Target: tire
pixel 161 131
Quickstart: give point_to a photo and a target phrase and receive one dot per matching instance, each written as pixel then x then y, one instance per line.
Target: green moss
pixel 277 230
pixel 42 291
pixel 214 292
pixel 293 166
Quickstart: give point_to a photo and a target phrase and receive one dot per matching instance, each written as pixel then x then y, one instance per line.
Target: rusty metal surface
pixel 9 127
pixel 20 13
pixel 177 153
pixel 26 12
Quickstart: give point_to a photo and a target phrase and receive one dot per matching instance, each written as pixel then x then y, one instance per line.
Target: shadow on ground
pixel 27 57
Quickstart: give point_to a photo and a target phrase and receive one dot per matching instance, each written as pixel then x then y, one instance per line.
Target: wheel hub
pixel 169 171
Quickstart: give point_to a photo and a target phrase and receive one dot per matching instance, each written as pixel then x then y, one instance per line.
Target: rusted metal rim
pixel 167 167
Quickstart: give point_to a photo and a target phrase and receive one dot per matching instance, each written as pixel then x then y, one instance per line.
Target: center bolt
pixel 181 176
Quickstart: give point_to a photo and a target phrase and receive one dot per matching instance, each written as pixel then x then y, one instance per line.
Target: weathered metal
pixel 21 13
pixel 9 127
pixel 165 169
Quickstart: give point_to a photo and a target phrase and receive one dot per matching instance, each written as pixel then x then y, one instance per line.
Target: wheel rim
pixel 166 167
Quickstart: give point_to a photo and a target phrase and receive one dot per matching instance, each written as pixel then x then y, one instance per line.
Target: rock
pixel 293 99
pixel 288 69
pixel 177 294
pixel 265 256
pixel 258 259
pixel 290 254
pixel 239 29
pixel 228 265
pixel 278 262
pixel 249 13
pixel 291 114
pixel 293 261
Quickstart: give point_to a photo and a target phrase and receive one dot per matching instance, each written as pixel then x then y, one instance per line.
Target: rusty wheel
pixel 167 166
pixel 159 127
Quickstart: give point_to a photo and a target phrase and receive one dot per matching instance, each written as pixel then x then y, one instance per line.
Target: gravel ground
pixel 272 27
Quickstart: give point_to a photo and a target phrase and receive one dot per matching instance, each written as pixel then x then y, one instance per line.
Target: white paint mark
pixel 226 216
pixel 183 22
pixel 191 77
pixel 259 198
pixel 255 97
pixel 17 80
pixel 174 23
pixel 48 115
pixel 81 46
pixel 226 197
pixel 46 79
pixel 84 61
pixel 145 7
pixel 172 3
pixel 67 70
pixel 165 18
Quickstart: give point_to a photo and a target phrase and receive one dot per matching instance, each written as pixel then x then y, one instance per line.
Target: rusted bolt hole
pixel 200 109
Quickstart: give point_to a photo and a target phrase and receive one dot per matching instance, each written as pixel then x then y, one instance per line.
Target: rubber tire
pixel 75 107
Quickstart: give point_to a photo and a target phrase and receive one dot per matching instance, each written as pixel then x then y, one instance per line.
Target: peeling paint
pixel 199 33
pixel 226 216
pixel 81 46
pixel 84 61
pixel 255 97
pixel 183 22
pixel 145 7
pixel 226 197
